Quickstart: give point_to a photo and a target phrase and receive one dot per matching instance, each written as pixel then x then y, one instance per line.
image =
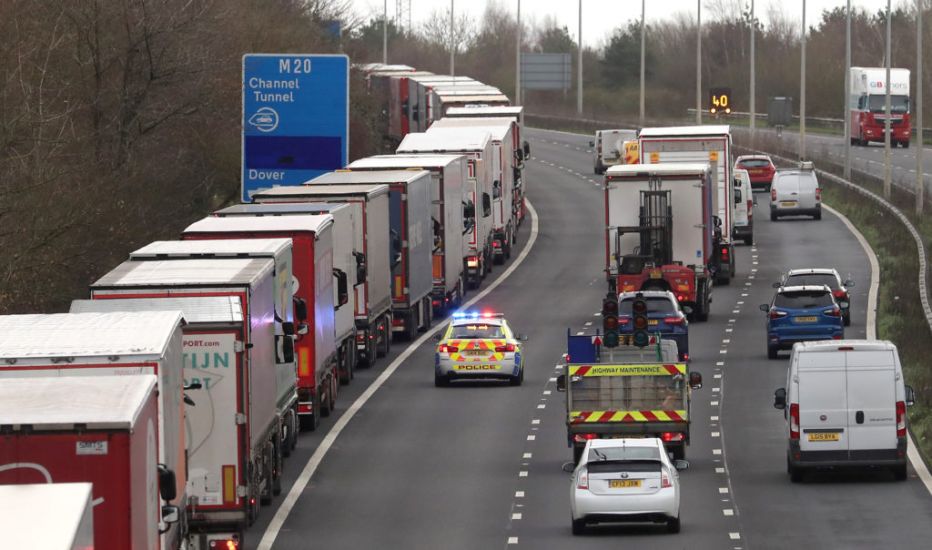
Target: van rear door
pixel 871 400
pixel 823 407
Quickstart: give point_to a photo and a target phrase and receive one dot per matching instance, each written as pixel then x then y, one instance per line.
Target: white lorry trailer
pixel 102 345
pixel 702 144
pixel 65 523
pixel 448 177
pixel 477 148
pixel 372 297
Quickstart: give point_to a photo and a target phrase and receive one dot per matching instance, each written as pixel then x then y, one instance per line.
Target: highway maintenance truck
pixel 626 392
pixel 701 144
pixel 346 260
pixel 659 232
pixel 98 431
pixel 248 350
pixel 477 148
pixel 99 345
pixel 372 298
pixel 448 177
pixel 315 287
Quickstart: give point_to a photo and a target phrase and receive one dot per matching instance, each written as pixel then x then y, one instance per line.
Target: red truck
pixel 102 430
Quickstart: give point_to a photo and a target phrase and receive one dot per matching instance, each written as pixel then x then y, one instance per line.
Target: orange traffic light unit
pixel 641 336
pixel 610 320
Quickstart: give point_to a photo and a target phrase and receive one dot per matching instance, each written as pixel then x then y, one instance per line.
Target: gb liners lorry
pixel 868 105
pixel 477 148
pixel 701 144
pixel 98 345
pixel 372 294
pixel 311 285
pixel 448 176
pixel 659 233
pixel 98 432
pixel 248 352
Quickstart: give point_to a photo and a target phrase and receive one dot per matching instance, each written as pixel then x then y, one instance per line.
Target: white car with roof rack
pixel 796 192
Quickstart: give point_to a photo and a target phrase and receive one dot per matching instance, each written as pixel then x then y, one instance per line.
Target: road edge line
pixel 914 458
pixel 284 509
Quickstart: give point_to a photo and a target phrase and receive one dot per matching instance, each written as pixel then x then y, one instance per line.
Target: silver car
pixel 796 192
pixel 626 480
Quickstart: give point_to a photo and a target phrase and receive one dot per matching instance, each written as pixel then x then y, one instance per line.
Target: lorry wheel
pixel 383 337
pixel 427 311
pixel 346 367
pixel 287 435
pixel 310 422
pixel 268 475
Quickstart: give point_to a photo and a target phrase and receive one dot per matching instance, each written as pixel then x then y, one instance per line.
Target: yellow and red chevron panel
pixel 641 369
pixel 584 417
pixel 475 345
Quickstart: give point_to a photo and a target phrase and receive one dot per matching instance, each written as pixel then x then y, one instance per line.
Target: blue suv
pixel 664 317
pixel 799 314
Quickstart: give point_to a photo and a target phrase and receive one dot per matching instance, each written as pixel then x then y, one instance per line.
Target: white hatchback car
pixel 626 480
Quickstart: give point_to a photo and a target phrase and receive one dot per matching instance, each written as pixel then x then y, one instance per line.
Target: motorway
pixel 479 466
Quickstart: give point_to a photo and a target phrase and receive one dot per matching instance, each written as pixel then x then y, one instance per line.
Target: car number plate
pixel 656 274
pixel 824 436
pixel 652 322
pixel 788 203
pixel 624 483
pixel 806 319
pixel 472 352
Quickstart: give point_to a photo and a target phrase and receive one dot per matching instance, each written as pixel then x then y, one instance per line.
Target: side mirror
pixel 170 514
pixel 195 385
pixel 765 308
pixel 688 310
pixel 910 396
pixel 300 309
pixel 522 337
pixel 737 196
pixel 288 349
pixel 568 467
pixel 849 283
pixel 168 489
pixel 519 156
pixel 342 288
pixel 527 149
pixel 681 464
pixel 777 285
pixel 362 271
pixel 496 189
pixel 469 210
pixel 591 143
pixel 779 399
pixel 695 380
pixel 288 328
pixel 438 337
pixel 486 205
pixel 303 329
pixel 561 382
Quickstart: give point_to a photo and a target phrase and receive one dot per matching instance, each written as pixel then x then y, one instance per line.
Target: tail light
pixel 496 244
pixel 624 320
pixel 725 252
pixel 776 313
pixel 505 348
pixel 750 208
pixel 435 303
pixel 583 481
pixel 472 261
pixel 684 357
pixel 794 420
pixel 834 312
pixel 773 194
pixel 681 297
pixel 818 193
pixel 673 320
pixel 225 544
pixel 665 479
pixel 445 348
pixel 582 438
pixel 840 294
pixel 901 419
pixel 672 436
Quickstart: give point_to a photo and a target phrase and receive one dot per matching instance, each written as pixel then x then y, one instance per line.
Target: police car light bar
pixel 477 315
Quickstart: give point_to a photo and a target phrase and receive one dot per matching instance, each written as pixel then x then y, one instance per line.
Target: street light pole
pixel 385 33
pixel 846 112
pixel 452 42
pixel 641 116
pixel 920 145
pixel 886 125
pixel 518 59
pixel 699 62
pixel 579 86
pixel 753 98
pixel 802 91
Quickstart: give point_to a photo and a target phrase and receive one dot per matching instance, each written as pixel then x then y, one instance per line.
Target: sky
pixel 600 17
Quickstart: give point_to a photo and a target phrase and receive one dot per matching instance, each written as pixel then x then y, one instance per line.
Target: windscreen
pixel 477 330
pixel 899 104
pixel 801 279
pixel 803 299
pixel 657 304
pixel 754 163
pixel 624 453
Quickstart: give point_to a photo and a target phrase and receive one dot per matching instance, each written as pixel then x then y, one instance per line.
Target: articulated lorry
pixel 448 226
pixel 626 392
pixel 867 106
pixel 372 299
pixel 96 433
pixel 477 148
pixel 701 144
pixel 312 284
pixel 65 345
pixel 659 232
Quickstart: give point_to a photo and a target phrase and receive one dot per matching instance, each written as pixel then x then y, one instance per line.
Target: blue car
pixel 800 314
pixel 664 318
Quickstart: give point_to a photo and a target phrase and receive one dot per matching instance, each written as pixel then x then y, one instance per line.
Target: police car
pixel 479 346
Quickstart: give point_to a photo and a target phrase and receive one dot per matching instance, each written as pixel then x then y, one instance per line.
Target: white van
pixel 744 207
pixel 845 405
pixel 795 192
pixel 610 148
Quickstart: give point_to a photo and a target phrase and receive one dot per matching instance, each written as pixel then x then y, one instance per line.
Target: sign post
pixel 295 118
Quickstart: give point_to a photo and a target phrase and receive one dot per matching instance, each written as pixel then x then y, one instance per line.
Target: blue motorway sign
pixel 295 118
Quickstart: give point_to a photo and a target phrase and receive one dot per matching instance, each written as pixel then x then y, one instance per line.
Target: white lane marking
pixel 713 418
pixel 723 490
pixel 716 451
pixel 580 333
pixel 729 330
pixel 522 473
pixel 719 375
pixel 527 455
pixel 552 379
pixel 516 515
pixel 731 320
pixel 911 452
pixel 744 294
pixel 736 311
pixel 588 323
pixel 716 434
pixel 726 341
pixel 714 403
pixel 716 390
pixel 542 406
pixel 720 470
pixel 728 512
pixel 300 484
pixel 519 494
pixel 512 540
pixel 719 363
pixel 548 392
pixel 532 437
pixel 734 536
pixel 723 351
pixel 535 421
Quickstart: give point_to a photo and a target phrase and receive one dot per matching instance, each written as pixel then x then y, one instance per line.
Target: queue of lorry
pixel 163 406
